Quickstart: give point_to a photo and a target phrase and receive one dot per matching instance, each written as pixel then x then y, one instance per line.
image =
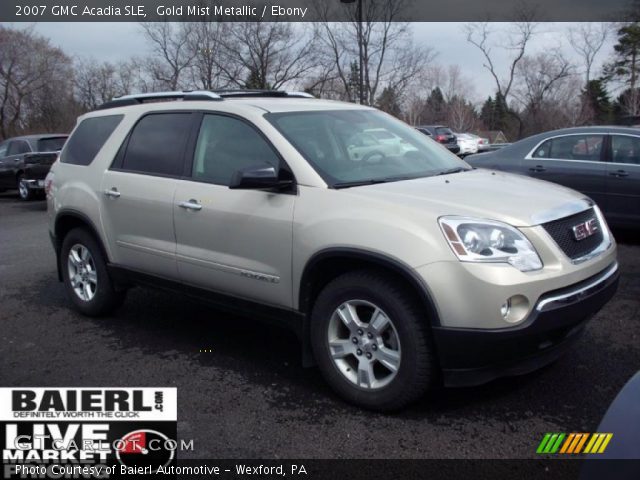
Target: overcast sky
pixel 119 41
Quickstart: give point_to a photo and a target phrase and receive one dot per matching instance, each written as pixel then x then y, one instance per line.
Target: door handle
pixel 113 193
pixel 190 205
pixel 538 168
pixel 619 173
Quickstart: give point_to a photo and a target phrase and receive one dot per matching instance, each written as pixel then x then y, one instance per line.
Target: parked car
pixel 483 143
pixel 25 162
pixel 601 162
pixel 441 134
pixel 492 147
pixel 388 138
pixel 366 147
pixel 468 144
pixel 395 273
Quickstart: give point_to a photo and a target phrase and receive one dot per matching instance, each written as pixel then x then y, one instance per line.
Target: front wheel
pixel 371 341
pixel 85 275
pixel 23 189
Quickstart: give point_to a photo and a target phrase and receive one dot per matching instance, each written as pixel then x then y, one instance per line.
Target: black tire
pixel 106 298
pixel 417 371
pixel 24 192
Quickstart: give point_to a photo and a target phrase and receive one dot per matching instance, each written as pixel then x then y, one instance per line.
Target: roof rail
pixel 139 98
pixel 216 95
pixel 245 92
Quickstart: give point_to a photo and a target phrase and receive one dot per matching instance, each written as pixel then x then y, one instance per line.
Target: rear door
pixel 236 242
pixel 12 163
pixel 576 161
pixel 138 193
pixel 623 180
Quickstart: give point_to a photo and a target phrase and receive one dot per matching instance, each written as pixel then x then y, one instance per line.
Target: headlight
pixel 477 240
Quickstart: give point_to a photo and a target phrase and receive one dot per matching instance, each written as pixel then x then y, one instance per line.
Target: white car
pixel 468 145
pixel 484 144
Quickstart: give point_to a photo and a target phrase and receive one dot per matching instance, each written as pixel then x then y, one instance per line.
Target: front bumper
pixel 474 356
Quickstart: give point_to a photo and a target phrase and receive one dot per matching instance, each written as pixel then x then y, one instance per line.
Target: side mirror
pixel 258 177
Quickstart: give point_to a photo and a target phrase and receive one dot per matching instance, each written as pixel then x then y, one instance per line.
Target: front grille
pixel 562 233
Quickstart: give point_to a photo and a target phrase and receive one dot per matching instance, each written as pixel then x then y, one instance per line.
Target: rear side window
pixel 3 149
pixel 88 138
pixel 17 147
pixel 571 147
pixel 157 143
pixel 625 149
pixel 52 144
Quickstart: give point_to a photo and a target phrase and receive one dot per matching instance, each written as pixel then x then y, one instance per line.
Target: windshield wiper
pixel 453 170
pixel 359 183
pixel 370 181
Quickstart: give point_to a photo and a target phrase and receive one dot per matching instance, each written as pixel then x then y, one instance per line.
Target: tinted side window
pixel 88 138
pixel 17 147
pixel 3 149
pixel 572 147
pixel 157 144
pixel 543 151
pixel 226 144
pixel 625 149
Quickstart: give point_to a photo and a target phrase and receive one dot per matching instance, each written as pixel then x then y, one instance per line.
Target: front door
pixel 233 241
pixel 575 161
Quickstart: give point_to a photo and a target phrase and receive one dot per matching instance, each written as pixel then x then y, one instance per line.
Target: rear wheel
pixel 23 189
pixel 85 275
pixel 371 341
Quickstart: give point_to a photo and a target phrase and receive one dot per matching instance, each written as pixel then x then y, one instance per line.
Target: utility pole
pixel 360 53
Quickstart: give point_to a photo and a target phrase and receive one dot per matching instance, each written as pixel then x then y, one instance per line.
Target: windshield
pixel 340 146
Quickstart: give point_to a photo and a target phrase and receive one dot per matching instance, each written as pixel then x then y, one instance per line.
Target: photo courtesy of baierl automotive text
pixel 320 239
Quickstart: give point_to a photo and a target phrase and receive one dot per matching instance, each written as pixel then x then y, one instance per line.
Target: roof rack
pixel 139 98
pixel 215 95
pixel 245 92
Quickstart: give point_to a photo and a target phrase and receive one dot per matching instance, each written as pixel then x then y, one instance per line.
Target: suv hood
pixel 517 200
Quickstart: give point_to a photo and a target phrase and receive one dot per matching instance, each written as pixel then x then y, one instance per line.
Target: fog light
pixel 515 309
pixel 505 309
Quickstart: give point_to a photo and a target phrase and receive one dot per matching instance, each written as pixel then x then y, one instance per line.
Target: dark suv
pixel 441 134
pixel 25 162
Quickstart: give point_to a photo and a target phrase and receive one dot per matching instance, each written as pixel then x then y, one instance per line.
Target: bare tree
pixel 267 54
pixel 170 44
pixel 96 83
pixel 390 59
pixel 461 115
pixel 540 80
pixel 482 36
pixel 587 39
pixel 211 68
pixel 28 65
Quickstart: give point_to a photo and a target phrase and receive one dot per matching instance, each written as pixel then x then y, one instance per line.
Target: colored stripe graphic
pixel 543 443
pixel 574 443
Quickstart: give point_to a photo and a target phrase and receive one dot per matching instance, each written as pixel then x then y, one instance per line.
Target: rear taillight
pixel 441 138
pixel 48 184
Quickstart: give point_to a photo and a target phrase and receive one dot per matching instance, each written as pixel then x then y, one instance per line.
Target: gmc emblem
pixel 585 230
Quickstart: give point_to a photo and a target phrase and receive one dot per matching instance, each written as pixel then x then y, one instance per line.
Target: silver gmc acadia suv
pixel 399 266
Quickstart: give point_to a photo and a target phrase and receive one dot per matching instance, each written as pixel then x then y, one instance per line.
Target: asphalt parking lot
pixel 250 397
